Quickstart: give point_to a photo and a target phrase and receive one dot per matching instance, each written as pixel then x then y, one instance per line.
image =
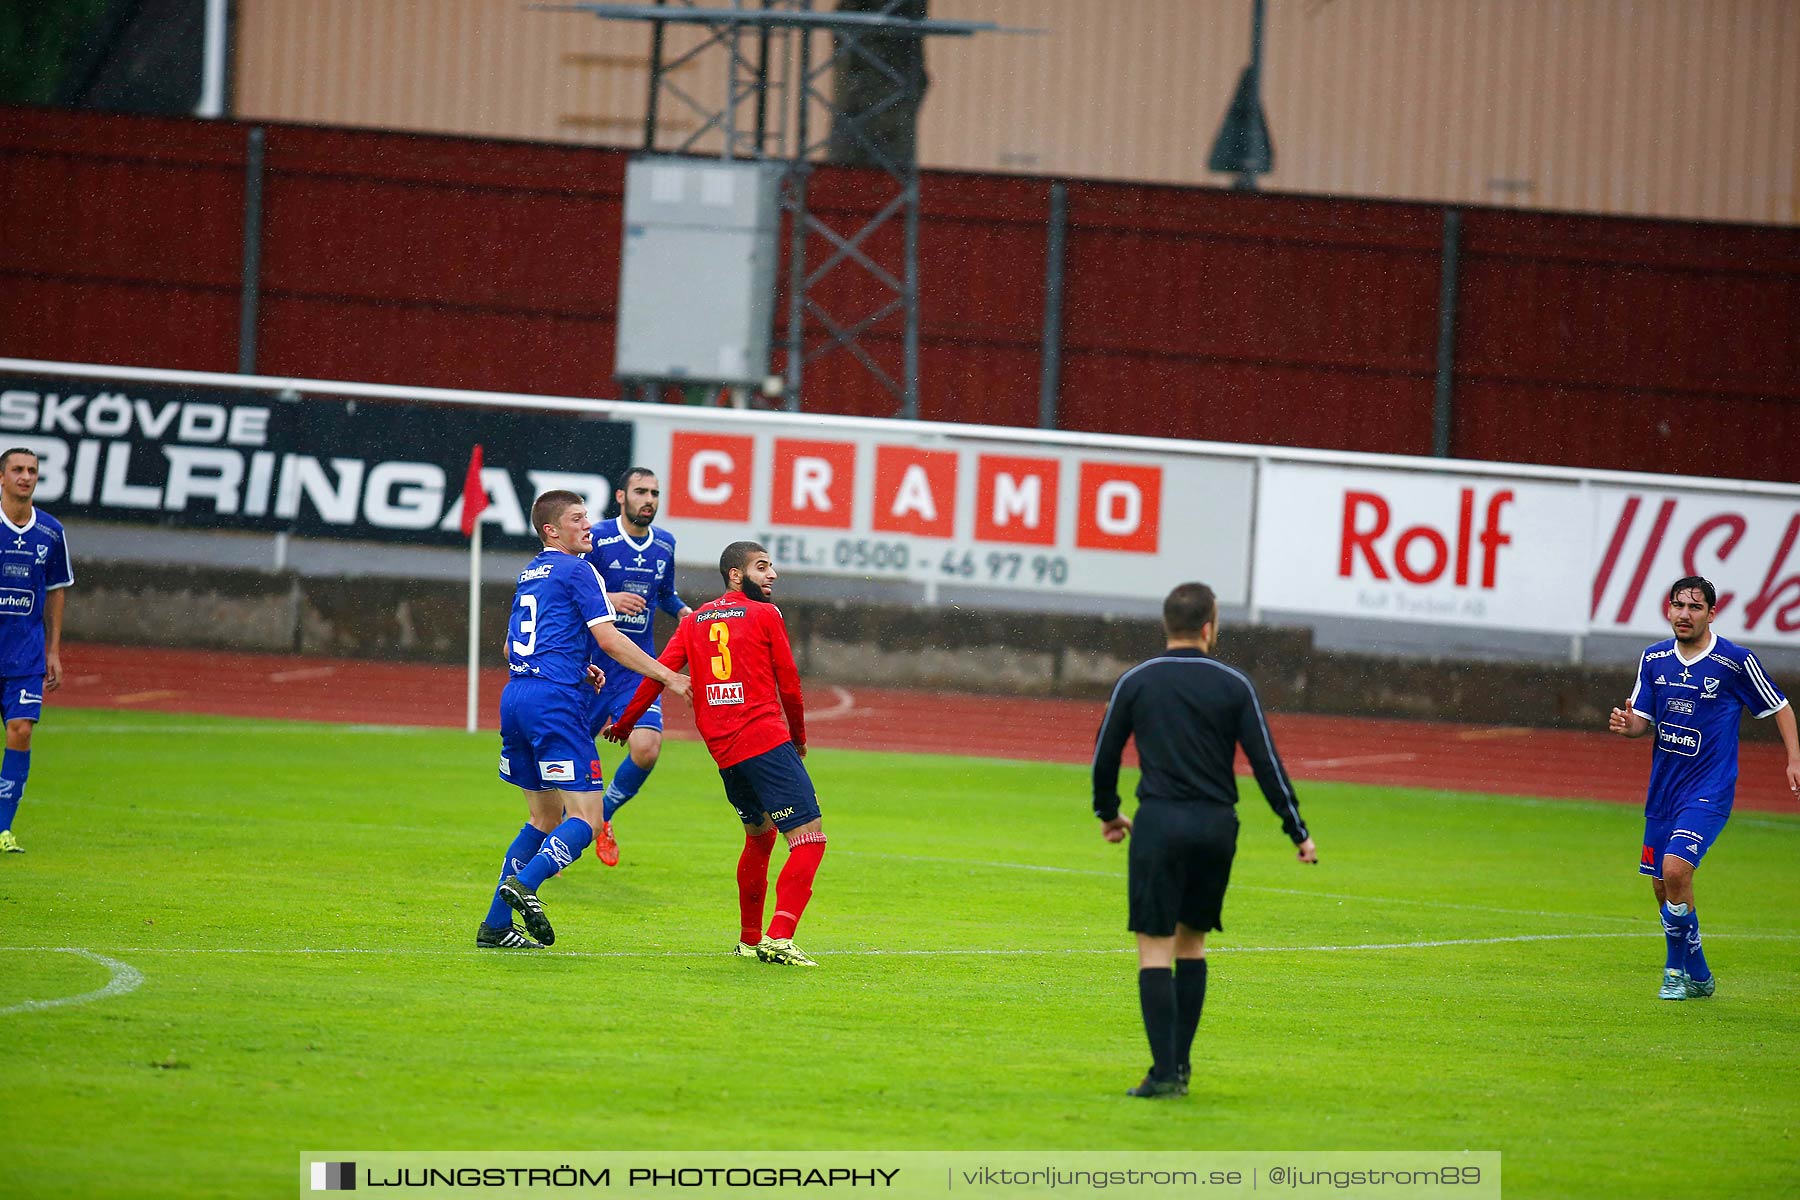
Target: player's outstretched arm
pixel 1626 723
pixel 1784 722
pixel 625 652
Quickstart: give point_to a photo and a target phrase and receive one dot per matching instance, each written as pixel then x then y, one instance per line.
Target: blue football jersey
pixel 548 635
pixel 1695 703
pixel 34 561
pixel 646 568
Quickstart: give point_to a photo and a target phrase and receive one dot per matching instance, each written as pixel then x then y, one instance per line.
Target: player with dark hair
pixel 1690 689
pixel 748 683
pixel 1188 713
pixel 559 613
pixel 34 559
pixel 636 563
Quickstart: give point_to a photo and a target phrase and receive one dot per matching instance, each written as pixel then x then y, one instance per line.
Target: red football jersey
pixel 743 677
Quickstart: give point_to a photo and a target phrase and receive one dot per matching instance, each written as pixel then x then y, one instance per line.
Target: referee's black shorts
pixel 1180 861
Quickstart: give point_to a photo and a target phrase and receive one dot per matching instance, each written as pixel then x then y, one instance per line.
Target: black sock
pixel 1156 996
pixel 1190 998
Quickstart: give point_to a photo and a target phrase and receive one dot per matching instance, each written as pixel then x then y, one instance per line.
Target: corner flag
pixel 475 498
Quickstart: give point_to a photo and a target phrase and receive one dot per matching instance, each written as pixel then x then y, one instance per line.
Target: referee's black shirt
pixel 1189 713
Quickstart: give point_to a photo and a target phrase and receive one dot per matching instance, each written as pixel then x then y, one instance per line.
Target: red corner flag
pixel 475 498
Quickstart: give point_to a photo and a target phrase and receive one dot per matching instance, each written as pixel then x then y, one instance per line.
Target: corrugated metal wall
pixel 1682 108
pixel 1600 342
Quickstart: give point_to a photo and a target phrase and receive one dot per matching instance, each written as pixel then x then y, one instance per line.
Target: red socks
pixel 793 887
pixel 753 884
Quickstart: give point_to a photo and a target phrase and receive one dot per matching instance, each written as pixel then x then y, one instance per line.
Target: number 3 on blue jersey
pixel 527 626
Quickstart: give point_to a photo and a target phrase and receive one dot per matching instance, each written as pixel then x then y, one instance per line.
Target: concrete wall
pixel 844 643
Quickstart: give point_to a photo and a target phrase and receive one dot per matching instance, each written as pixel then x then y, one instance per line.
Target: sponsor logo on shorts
pixel 1648 857
pixel 26 697
pixel 17 601
pixel 783 814
pixel 505 766
pixel 1681 706
pixel 560 771
pixel 1678 739
pixel 595 773
pixel 724 693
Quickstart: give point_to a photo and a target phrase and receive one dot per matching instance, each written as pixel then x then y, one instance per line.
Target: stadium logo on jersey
pixel 16 600
pixel 1678 739
pixel 1685 707
pixel 724 693
pixel 1712 688
pixel 505 766
pixel 560 771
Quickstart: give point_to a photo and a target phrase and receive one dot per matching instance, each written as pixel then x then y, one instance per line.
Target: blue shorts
pixel 772 784
pixel 1688 834
pixel 614 698
pixel 543 738
pixel 23 699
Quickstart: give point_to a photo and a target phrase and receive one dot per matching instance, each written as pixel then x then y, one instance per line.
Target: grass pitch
pixel 1461 971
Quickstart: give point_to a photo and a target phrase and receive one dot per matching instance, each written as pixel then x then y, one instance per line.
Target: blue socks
pixel 523 849
pixel 1681 927
pixel 15 765
pixel 562 847
pixel 625 784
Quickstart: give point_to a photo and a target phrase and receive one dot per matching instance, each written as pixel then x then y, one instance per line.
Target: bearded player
pixel 748 707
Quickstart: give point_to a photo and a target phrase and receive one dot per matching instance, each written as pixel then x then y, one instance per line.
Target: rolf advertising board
pixel 1563 553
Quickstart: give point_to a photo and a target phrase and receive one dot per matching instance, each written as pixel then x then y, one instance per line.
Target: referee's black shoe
pixel 1153 1088
pixel 529 908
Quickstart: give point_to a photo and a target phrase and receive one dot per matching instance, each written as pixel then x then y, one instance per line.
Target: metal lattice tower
pixel 773 86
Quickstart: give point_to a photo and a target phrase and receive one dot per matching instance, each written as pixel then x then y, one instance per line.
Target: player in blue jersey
pixel 34 570
pixel 560 613
pixel 1689 690
pixel 636 561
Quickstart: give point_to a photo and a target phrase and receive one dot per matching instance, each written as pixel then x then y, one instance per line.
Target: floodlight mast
pixel 780 78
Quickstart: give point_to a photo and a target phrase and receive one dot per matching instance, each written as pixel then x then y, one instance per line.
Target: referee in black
pixel 1188 712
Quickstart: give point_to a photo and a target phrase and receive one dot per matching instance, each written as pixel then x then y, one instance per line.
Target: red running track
pixel 1530 762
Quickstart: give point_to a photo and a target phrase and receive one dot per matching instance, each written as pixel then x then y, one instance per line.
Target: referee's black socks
pixel 1190 998
pixel 1156 996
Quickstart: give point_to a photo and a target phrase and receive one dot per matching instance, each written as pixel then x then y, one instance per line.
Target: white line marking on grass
pixel 125 978
pixel 229 726
pixel 973 952
pixel 1448 904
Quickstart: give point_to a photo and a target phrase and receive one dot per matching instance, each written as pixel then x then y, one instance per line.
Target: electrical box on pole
pixel 697 278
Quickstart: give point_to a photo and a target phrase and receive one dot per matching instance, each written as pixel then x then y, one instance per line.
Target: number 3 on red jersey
pixel 720 633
